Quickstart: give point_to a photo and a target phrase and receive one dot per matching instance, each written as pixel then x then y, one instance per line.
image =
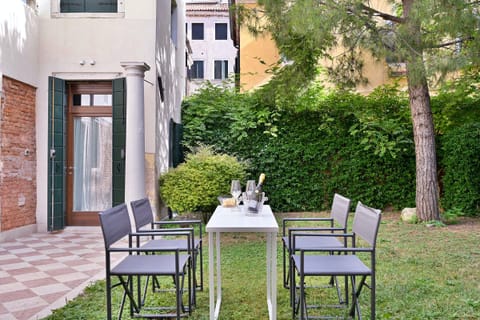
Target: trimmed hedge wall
pixel 461 164
pixel 306 165
pixel 359 146
pixel 308 155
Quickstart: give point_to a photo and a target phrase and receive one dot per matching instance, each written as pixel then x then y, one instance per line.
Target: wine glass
pixel 250 189
pixel 235 190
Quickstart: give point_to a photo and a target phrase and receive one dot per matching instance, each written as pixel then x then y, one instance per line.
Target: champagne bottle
pixel 259 187
pixel 257 197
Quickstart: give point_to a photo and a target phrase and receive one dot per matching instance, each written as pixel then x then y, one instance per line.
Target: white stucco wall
pixel 18 41
pixel 170 64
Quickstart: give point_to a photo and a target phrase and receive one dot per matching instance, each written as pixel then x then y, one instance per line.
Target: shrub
pixel 461 164
pixel 194 186
pixel 358 146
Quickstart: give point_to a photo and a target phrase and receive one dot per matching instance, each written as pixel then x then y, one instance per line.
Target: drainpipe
pixel 135 140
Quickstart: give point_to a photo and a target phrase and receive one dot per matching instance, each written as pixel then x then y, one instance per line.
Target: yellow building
pixel 257 54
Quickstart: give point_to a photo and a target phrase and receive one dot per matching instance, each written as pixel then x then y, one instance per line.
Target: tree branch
pixel 383 15
pixel 451 43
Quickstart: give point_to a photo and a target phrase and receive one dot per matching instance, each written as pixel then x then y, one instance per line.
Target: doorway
pixel 89 151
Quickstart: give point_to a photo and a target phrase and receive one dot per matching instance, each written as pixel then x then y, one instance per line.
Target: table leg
pixel 219 277
pixel 274 274
pixel 211 279
pixel 271 264
pixel 271 275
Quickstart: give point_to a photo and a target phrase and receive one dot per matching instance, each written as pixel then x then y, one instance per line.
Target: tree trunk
pixel 425 153
pixel 427 193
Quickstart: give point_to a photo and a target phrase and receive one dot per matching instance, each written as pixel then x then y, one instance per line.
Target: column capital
pixel 135 68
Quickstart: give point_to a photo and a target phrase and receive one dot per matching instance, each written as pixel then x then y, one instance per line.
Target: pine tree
pixel 432 37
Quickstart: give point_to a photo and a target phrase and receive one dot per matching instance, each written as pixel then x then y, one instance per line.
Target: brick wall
pixel 17 155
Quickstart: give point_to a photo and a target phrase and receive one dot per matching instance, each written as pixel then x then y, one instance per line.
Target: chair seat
pixel 336 265
pixel 169 244
pixel 149 265
pixel 314 242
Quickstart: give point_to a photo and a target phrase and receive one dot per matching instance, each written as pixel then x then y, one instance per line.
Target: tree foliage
pixel 432 37
pixel 307 30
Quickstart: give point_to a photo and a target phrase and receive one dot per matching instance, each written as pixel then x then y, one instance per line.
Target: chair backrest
pixel 366 223
pixel 115 223
pixel 142 213
pixel 340 209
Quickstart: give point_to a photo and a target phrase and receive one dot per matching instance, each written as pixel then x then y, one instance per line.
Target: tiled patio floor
pixel 41 272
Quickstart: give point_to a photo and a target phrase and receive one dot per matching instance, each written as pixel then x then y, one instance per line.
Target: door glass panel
pixel 81 99
pixel 102 99
pixel 92 174
pixel 89 100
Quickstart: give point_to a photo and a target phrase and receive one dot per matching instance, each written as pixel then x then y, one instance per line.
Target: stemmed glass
pixel 235 190
pixel 250 189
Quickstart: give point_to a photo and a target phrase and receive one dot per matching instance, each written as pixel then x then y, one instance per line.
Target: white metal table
pixel 236 220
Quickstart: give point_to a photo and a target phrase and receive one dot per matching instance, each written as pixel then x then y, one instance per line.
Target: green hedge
pixel 359 146
pixel 461 165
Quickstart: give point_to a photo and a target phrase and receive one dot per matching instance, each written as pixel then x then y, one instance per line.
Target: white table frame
pixel 236 220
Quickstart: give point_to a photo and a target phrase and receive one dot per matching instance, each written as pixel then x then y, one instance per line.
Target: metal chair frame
pixel 115 224
pixel 143 216
pixel 338 215
pixel 309 263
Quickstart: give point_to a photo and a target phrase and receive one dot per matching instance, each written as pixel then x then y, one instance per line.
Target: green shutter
pixel 119 116
pixel 88 6
pixel 175 143
pixel 57 106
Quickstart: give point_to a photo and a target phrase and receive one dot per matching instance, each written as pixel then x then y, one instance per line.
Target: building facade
pixel 257 55
pixel 90 99
pixel 213 54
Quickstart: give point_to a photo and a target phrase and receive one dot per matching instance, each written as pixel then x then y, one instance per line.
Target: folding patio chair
pixel 312 263
pixel 115 223
pixel 144 222
pixel 337 223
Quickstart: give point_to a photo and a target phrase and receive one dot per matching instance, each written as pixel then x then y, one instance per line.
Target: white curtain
pixel 92 190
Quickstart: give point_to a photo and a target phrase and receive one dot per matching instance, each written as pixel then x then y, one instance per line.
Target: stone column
pixel 135 135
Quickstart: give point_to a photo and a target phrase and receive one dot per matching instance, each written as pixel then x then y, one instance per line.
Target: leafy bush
pixel 220 116
pixel 195 185
pixel 461 163
pixel 358 146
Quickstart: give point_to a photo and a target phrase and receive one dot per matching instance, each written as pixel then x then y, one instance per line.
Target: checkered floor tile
pixel 39 273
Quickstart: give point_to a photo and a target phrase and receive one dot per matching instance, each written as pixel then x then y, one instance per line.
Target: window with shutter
pixel 221 69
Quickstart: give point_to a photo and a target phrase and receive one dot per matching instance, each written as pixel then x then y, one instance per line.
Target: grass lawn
pixel 422 273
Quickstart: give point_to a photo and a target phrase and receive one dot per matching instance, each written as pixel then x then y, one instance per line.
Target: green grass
pixel 422 273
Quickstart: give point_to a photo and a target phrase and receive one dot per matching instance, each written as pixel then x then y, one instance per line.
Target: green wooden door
pixel 119 114
pixel 57 102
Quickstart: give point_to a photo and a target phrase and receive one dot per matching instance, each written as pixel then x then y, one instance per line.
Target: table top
pixel 238 220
